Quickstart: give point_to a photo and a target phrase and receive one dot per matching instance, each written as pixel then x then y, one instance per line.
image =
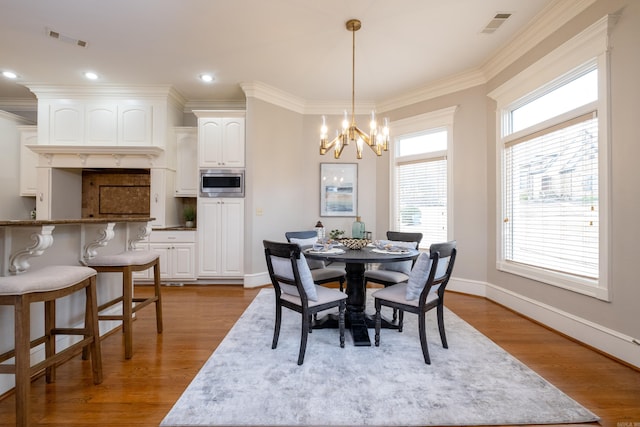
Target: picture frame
pixel 338 189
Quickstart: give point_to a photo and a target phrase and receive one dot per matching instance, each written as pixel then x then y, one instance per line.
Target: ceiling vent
pixel 495 23
pixel 71 40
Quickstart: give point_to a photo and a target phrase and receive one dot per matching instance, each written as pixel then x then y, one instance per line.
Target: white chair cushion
pixel 401 266
pixel 327 273
pixel 123 259
pixel 46 279
pixel 282 267
pixel 398 293
pixel 325 295
pixel 420 272
pixel 313 263
pixel 386 275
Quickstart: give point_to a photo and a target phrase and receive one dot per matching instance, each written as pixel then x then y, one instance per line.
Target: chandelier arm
pixel 353 77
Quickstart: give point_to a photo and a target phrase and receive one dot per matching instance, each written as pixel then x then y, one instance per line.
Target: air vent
pixel 67 39
pixel 495 23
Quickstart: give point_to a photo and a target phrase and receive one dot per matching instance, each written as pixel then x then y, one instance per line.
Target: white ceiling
pixel 300 47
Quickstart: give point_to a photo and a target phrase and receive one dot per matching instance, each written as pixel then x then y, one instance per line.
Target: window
pixel 421 165
pixel 553 178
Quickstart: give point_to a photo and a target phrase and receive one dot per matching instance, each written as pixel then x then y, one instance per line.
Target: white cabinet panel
pixel 134 125
pixel 66 124
pixel 187 162
pixel 220 237
pixel 177 254
pixel 221 142
pixel 101 124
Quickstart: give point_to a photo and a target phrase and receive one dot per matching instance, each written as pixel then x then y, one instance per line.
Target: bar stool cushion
pixel 123 259
pixel 45 279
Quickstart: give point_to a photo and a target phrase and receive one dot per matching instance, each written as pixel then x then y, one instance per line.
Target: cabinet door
pixel 187 162
pixel 233 142
pixel 209 237
pixel 134 125
pixel 232 239
pixel 66 124
pixel 209 142
pixel 101 124
pixel 28 161
pixel 164 252
pixel 183 261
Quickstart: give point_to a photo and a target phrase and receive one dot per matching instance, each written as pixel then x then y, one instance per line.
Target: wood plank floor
pixel 140 391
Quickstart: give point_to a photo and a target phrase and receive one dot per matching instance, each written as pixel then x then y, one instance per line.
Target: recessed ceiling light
pixel 10 74
pixel 91 75
pixel 207 78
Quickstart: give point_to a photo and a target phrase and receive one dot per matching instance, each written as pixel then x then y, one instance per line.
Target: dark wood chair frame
pixel 291 251
pixel 308 235
pixel 398 236
pixel 437 251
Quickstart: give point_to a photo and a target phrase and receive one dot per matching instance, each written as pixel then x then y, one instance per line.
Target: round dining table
pixel 355 265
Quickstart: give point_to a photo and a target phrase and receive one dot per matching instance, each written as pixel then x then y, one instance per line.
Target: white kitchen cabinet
pixel 220 238
pixel 123 123
pixel 28 161
pixel 221 142
pixel 186 162
pixel 177 253
pixel 164 207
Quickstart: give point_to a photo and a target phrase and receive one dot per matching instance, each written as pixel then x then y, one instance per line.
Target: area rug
pixel 474 382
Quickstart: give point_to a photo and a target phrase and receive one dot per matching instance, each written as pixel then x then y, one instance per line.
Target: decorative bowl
pixel 355 244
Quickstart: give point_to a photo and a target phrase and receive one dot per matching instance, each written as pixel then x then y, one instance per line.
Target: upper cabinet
pixel 98 124
pixel 221 141
pixel 186 161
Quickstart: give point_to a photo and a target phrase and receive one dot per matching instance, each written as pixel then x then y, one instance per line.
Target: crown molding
pixel 19 104
pixel 191 106
pixel 549 20
pixel 55 91
pixel 18 120
pixel 273 95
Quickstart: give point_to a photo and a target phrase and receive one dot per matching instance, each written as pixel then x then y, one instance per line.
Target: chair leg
pixel 341 322
pixel 156 284
pixel 341 284
pixel 400 321
pixel 127 311
pixel 378 324
pixel 22 361
pixel 93 329
pixel 276 330
pixel 303 337
pixel 422 329
pixel 443 336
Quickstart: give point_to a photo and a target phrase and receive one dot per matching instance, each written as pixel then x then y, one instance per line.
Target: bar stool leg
pixel 93 329
pixel 127 311
pixel 156 283
pixel 22 360
pixel 50 341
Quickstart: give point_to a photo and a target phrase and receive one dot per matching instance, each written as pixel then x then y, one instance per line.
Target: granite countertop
pixel 36 222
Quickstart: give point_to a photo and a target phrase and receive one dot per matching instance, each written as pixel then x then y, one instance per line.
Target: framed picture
pixel 338 189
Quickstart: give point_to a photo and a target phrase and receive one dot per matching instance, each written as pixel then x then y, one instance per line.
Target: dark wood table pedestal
pixel 356 319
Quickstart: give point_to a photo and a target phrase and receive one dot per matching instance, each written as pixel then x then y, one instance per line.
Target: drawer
pixel 172 236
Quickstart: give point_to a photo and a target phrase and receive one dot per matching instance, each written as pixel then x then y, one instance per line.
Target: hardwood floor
pixel 140 391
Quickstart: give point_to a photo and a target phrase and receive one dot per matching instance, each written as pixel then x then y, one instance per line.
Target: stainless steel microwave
pixel 222 183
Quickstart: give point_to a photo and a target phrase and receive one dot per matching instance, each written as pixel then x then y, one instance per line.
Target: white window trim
pixel 442 118
pixel 590 45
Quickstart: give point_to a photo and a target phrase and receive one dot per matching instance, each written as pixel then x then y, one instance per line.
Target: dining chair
pixel 389 274
pixel 423 291
pixel 319 270
pixel 295 290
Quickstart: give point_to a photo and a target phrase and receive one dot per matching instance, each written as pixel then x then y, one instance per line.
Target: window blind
pixel 422 199
pixel 551 205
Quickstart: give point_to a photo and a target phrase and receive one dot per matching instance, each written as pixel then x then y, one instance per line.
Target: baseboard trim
pixel 256 280
pixel 605 340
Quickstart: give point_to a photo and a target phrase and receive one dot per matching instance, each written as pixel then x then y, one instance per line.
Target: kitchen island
pixel 33 244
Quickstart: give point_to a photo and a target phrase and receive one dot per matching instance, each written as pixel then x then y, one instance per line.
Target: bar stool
pixel 126 263
pixel 47 285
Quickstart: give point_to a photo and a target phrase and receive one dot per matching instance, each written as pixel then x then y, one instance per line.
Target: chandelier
pixel 378 138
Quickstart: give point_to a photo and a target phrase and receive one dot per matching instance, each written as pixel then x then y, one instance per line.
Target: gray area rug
pixel 474 382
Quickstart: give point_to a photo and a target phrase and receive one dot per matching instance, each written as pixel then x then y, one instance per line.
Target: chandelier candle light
pixel 378 138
